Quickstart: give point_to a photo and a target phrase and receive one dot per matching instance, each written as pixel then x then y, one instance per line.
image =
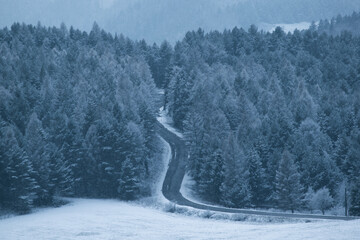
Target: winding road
pixel 176 172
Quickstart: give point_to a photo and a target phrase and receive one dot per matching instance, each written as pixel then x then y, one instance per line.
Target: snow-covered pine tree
pixel 288 188
pixel 36 149
pixel 355 199
pixel 257 178
pixel 235 191
pixel 18 186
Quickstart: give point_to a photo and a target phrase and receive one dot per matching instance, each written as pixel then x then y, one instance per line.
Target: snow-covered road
pixel 110 219
pixel 173 186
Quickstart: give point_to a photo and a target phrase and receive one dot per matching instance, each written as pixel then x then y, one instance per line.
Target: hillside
pixel 270 120
pixel 159 20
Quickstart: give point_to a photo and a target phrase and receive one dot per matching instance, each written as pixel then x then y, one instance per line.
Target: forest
pixel 272 120
pixel 76 116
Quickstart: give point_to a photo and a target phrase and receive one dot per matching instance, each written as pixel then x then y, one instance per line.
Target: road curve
pixel 176 172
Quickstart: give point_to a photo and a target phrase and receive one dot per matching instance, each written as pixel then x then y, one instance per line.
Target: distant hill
pixel 156 20
pixel 339 24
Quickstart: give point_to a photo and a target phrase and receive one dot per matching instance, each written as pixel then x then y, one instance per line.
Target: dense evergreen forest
pixel 76 116
pixel 271 119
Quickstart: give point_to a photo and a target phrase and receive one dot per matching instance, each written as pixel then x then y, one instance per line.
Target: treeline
pixel 341 23
pixel 76 116
pixel 271 119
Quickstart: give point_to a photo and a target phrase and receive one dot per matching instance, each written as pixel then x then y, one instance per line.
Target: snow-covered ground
pixel 167 122
pixel 110 219
pixel 187 190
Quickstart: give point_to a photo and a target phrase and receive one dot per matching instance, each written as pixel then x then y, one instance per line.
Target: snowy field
pixel 110 219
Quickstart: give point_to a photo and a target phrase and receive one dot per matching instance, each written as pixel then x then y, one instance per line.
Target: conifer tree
pixel 288 187
pixel 257 184
pixel 355 199
pixel 19 188
pixel 36 149
pixel 129 184
pixel 235 191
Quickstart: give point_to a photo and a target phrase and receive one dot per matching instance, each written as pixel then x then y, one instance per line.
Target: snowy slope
pixel 110 219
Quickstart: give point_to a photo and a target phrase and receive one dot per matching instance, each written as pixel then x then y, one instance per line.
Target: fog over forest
pixel 158 20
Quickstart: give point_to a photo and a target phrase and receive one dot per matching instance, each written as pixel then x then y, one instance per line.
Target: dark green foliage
pixel 288 187
pixel 267 93
pixel 18 187
pixel 235 190
pixel 211 177
pixel 129 188
pixel 81 109
pixel 355 199
pixel 257 179
pixel 77 115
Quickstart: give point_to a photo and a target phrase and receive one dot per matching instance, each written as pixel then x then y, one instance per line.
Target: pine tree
pixel 288 187
pixel 355 199
pixel 235 190
pixel 211 177
pixel 257 179
pixel 165 54
pixel 18 187
pixel 22 188
pixel 36 148
pixel 131 166
pixel 107 160
pixel 129 188
pixel 179 90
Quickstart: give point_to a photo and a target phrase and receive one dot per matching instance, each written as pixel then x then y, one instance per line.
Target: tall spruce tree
pixel 257 178
pixel 19 188
pixel 288 188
